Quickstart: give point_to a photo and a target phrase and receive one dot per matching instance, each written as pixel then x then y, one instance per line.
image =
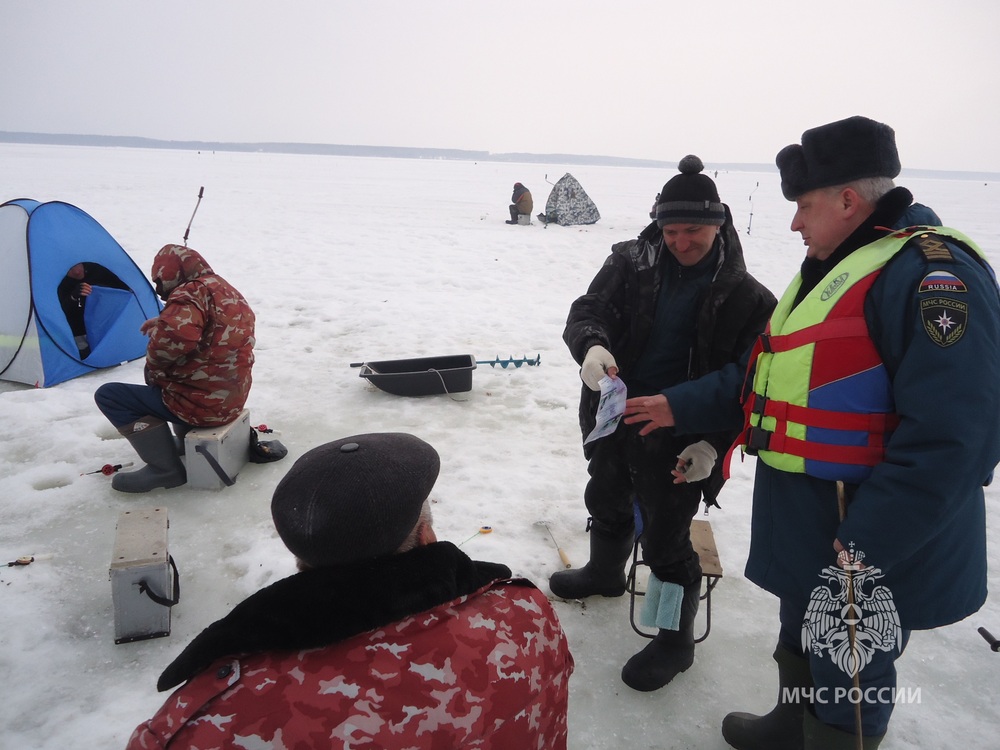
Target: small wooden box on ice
pixel 141 572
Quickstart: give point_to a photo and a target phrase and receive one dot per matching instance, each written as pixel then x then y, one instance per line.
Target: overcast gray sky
pixel 729 80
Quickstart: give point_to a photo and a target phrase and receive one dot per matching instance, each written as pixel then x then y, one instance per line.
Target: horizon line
pixel 405 152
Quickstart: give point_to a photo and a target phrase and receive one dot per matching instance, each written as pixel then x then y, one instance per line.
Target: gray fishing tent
pixel 569 203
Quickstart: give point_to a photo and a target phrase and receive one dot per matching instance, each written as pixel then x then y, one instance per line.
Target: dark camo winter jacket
pixel 619 309
pixel 200 350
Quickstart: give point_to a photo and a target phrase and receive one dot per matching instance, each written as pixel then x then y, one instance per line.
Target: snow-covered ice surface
pixel 352 259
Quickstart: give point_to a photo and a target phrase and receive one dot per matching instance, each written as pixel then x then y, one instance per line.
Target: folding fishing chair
pixel 703 541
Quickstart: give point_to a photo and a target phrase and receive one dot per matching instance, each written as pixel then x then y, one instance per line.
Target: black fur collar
pixel 326 605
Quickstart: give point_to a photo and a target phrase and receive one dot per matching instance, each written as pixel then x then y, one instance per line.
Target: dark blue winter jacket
pixel 920 516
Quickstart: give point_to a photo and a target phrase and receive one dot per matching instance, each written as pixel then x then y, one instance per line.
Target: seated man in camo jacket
pixel 385 638
pixel 198 364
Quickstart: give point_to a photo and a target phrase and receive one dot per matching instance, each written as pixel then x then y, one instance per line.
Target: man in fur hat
pixel 874 411
pixel 671 305
pixel 198 368
pixel 385 638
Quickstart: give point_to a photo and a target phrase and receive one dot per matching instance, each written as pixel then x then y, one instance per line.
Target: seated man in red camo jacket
pixel 198 364
pixel 386 638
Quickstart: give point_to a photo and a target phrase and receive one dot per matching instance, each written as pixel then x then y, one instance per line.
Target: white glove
pixel 700 460
pixel 595 366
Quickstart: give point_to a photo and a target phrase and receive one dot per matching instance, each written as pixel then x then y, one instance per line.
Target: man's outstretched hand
pixel 654 410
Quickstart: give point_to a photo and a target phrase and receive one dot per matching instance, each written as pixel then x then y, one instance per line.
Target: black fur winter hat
pixel 838 153
pixel 690 197
pixel 355 498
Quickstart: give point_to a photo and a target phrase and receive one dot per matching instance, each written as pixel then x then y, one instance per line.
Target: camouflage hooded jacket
pixel 200 351
pixel 422 650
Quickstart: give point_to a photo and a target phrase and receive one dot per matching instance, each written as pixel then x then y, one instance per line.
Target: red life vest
pixel 822 401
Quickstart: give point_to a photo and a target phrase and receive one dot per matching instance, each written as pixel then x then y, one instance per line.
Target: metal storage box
pixel 140 565
pixel 227 446
pixel 423 376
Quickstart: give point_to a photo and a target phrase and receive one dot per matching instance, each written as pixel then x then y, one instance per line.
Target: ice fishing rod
pixel 108 469
pixel 562 554
pixel 482 530
pixel 851 626
pixel 201 192
pixel 751 206
pixel 24 560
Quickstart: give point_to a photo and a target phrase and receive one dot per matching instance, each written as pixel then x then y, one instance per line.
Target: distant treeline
pixel 401 152
pixel 396 152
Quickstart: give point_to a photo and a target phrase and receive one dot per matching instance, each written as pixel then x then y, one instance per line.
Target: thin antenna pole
pixel 751 206
pixel 201 192
pixel 851 627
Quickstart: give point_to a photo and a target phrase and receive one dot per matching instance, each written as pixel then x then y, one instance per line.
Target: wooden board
pixel 703 541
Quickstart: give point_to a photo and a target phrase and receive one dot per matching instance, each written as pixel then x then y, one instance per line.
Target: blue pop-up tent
pixel 39 243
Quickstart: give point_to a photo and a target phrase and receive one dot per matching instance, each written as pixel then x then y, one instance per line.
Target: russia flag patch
pixel 942 281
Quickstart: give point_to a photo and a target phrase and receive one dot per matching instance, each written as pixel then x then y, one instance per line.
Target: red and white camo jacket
pixel 489 670
pixel 200 351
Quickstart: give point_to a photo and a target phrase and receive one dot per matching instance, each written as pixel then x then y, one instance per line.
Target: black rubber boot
pixel 152 440
pixel 781 728
pixel 604 574
pixel 180 430
pixel 820 736
pixel 669 653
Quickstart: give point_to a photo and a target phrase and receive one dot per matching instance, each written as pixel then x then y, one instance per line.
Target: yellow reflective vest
pixel 822 400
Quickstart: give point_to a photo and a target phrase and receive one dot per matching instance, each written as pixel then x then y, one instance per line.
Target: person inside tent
pixel 521 203
pixel 385 637
pixel 198 368
pixel 73 291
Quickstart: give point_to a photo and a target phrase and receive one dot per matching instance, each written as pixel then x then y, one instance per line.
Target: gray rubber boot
pixel 669 653
pixel 152 440
pixel 604 574
pixel 820 736
pixel 781 728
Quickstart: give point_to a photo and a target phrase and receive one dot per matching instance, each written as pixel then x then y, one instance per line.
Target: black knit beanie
pixel 690 197
pixel 838 153
pixel 355 498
